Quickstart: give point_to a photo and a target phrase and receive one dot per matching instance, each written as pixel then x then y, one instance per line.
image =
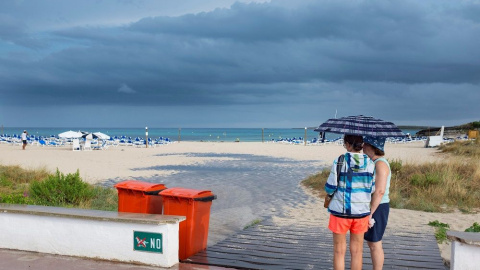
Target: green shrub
pixel 4 182
pixel 38 187
pixel 103 198
pixel 16 199
pixel 395 165
pixel 441 231
pixel 474 228
pixel 426 179
pixel 61 190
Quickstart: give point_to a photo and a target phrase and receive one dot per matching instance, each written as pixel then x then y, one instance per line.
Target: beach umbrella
pixel 360 125
pixel 70 134
pixel 89 136
pixel 101 135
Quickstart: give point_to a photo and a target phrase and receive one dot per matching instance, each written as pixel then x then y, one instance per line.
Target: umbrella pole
pixel 146 137
pixel 305 138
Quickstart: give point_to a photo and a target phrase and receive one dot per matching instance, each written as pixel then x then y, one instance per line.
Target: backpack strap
pixel 339 166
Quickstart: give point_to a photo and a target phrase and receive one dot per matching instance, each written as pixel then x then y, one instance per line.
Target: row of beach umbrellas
pixel 353 125
pixel 82 134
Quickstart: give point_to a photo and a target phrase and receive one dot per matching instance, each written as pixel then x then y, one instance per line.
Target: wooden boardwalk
pixel 267 246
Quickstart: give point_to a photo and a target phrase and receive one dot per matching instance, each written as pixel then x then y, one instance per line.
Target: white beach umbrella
pixel 70 134
pixel 101 135
pixel 89 136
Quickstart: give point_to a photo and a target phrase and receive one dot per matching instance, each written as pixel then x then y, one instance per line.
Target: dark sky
pixel 190 63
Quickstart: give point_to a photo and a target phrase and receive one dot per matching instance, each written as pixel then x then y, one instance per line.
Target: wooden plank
pixel 268 246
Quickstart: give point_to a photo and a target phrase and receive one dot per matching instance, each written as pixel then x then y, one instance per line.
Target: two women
pixel 353 205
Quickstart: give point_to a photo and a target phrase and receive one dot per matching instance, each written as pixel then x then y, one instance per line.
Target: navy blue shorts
pixel 375 233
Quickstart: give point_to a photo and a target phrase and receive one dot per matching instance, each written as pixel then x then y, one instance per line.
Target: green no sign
pixel 147 241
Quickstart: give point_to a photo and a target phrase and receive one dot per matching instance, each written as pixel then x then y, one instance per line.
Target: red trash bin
pixel 139 197
pixel 195 206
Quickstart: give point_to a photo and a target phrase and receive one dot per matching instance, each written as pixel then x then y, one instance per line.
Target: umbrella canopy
pixel 101 135
pixel 70 134
pixel 360 125
pixel 89 136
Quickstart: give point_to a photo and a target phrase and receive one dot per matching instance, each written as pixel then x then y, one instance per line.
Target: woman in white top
pixel 373 147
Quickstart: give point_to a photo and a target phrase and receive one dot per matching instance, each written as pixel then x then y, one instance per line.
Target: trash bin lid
pixel 195 194
pixel 140 186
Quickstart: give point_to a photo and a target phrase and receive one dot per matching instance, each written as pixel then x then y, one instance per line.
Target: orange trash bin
pixel 195 206
pixel 139 197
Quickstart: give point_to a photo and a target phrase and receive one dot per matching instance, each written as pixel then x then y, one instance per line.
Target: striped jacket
pixel 354 191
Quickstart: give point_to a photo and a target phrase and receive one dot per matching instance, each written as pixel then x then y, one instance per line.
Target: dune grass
pixel 39 187
pixel 437 186
pixel 470 148
pixel 432 187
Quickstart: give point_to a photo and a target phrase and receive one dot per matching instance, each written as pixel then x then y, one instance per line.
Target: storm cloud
pixel 275 64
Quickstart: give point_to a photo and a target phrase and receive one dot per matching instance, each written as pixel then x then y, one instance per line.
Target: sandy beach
pixel 252 180
pixel 125 162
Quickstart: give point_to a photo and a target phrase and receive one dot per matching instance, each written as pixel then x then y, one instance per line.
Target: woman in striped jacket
pixel 350 205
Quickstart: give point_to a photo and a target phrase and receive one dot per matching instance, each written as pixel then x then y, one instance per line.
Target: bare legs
pixel 340 248
pixel 378 257
pixel 356 250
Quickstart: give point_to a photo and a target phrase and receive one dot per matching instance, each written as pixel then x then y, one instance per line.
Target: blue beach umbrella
pixel 360 125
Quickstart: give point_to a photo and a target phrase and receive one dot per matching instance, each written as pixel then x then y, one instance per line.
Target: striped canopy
pixel 360 125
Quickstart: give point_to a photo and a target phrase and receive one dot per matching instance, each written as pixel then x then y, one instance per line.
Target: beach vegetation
pixel 255 222
pixel 474 228
pixel 395 165
pixel 468 148
pixel 103 198
pixel 316 182
pixel 39 187
pixel 14 183
pixel 59 189
pixel 437 186
pixel 440 230
pixel 432 187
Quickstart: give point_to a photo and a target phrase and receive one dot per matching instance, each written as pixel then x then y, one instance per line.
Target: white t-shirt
pixel 24 136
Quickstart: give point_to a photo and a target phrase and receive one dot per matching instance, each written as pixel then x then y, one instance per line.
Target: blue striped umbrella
pixel 360 125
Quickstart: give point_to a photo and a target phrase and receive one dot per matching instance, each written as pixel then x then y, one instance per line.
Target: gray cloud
pixel 124 88
pixel 406 58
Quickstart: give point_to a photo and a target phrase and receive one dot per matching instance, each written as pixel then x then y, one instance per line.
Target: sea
pixel 189 134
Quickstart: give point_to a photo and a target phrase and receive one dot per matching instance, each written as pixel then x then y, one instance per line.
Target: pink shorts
pixel 343 225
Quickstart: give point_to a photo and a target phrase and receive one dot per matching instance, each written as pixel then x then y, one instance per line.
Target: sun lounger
pixel 76 145
pixel 88 145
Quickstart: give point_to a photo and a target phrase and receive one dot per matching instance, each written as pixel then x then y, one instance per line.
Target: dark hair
pixel 355 141
pixel 377 151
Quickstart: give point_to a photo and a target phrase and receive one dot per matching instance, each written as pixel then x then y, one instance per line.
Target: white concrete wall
pixel 111 240
pixel 465 256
